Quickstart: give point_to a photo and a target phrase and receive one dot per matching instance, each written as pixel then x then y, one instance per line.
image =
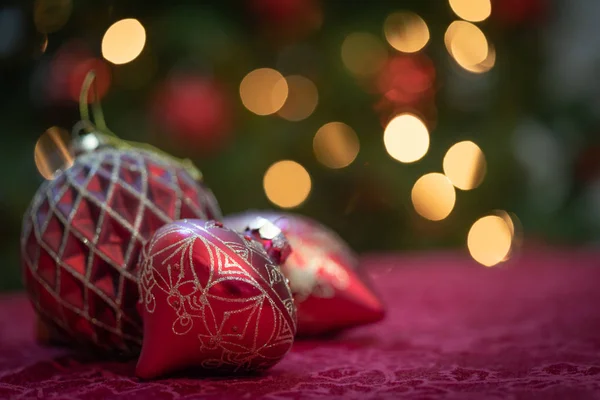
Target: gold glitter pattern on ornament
pixel 82 235
pixel 238 335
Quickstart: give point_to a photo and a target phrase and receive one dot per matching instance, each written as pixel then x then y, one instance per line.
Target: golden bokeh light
pixel 471 10
pixel 336 145
pixel 123 41
pixel 406 31
pixel 508 220
pixel 406 138
pixel 466 43
pixel 486 64
pixel 302 98
pixel 433 196
pixel 51 15
pixel 465 165
pixel 516 230
pixel 264 91
pixel 489 240
pixel 363 53
pixel 52 153
pixel 287 184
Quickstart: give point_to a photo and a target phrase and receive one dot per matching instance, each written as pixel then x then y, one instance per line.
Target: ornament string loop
pixel 99 127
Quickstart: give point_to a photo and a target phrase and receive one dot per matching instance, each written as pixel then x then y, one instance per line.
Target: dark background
pixel 535 114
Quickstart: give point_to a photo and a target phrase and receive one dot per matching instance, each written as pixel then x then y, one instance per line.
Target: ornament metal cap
pixel 271 237
pixel 88 142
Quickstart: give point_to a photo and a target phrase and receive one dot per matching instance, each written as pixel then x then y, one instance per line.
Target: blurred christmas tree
pixel 339 110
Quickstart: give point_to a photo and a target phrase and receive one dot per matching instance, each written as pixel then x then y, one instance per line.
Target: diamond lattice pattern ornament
pixel 82 235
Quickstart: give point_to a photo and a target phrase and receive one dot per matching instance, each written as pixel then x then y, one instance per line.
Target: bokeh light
pixel 465 165
pixel 508 220
pixel 516 230
pixel 44 44
pixel 51 15
pixel 433 196
pixel 471 10
pixel 466 43
pixel 486 64
pixel 406 31
pixel 489 240
pixel 263 91
pixel 52 153
pixel 406 138
pixel 302 98
pixel 287 184
pixel 336 145
pixel 123 41
pixel 363 53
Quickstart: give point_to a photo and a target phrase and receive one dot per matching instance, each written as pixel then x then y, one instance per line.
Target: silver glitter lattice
pixel 82 235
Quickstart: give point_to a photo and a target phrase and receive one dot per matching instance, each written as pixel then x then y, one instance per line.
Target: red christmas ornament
pixel 82 235
pixel 330 292
pixel 287 20
pixel 516 12
pixel 68 70
pixel 195 112
pixel 212 299
pixel 406 83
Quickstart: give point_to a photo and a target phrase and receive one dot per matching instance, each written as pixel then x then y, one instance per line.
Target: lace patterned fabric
pixel 529 329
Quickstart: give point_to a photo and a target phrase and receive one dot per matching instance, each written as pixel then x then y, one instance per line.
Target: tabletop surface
pixel 529 329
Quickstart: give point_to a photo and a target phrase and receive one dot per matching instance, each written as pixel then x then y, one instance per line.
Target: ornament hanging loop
pixel 105 135
pixel 97 113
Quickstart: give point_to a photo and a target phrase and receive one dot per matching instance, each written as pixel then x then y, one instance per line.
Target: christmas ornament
pixel 517 12
pixel 68 71
pixel 330 292
pixel 195 112
pixel 406 82
pixel 84 229
pixel 287 20
pixel 213 299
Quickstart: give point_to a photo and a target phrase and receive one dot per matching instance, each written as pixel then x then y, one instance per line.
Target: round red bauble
pixel 407 79
pixel 287 20
pixel 515 12
pixel 195 112
pixel 82 235
pixel 331 293
pixel 68 70
pixel 211 299
pixel 407 82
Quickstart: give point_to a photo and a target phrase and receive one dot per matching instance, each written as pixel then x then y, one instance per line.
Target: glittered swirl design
pixel 231 326
pixel 82 235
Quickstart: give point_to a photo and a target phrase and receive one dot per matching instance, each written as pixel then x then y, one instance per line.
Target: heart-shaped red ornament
pixel 211 298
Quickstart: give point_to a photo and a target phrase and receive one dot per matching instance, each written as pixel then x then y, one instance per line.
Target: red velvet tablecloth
pixel 529 329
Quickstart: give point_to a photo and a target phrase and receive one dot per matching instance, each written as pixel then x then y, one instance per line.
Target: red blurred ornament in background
pixel 515 12
pixel 212 299
pixel 405 83
pixel 330 292
pixel 68 70
pixel 287 20
pixel 83 232
pixel 195 112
